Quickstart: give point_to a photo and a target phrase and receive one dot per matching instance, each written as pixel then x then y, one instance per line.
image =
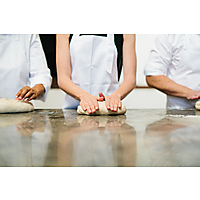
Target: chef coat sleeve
pixel 160 57
pixel 39 72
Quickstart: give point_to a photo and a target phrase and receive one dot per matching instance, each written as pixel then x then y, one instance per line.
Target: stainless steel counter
pixel 139 138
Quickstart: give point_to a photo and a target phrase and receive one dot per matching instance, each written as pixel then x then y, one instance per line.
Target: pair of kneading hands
pixel 27 93
pixel 90 102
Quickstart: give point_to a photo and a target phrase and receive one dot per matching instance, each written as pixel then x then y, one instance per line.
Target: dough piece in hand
pixel 197 105
pixel 102 110
pixel 15 106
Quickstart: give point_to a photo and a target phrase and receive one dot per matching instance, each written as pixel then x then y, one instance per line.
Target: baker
pixel 174 69
pixel 24 73
pixel 87 70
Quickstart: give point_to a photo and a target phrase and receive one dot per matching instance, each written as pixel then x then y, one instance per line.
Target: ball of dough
pixel 197 105
pixel 15 106
pixel 102 110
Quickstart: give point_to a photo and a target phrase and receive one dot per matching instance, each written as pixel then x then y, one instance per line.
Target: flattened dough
pixel 102 110
pixel 197 105
pixel 15 106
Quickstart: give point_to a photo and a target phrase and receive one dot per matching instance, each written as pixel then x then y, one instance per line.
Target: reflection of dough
pixel 12 106
pixel 102 110
pixel 102 120
pixel 197 105
pixel 12 119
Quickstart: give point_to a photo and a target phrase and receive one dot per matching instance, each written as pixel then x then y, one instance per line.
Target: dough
pixel 15 106
pixel 197 105
pixel 102 110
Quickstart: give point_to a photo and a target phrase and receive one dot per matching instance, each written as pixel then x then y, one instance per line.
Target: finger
pixel 32 97
pixel 115 106
pixel 101 95
pixel 28 94
pixel 92 108
pixel 194 97
pixel 96 105
pixel 18 95
pixel 107 103
pixel 24 91
pixel 111 106
pixel 88 108
pixel 83 106
pixel 119 104
pixel 100 99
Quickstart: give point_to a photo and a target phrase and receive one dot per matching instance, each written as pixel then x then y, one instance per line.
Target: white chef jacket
pixel 176 56
pixel 22 63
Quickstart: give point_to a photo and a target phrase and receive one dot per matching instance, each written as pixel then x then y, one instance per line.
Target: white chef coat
pixel 22 63
pixel 177 57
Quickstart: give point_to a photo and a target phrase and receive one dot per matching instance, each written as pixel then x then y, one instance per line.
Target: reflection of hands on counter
pixel 29 128
pixel 102 121
pixel 26 123
pixel 97 141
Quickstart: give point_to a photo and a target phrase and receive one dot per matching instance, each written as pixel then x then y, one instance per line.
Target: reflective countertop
pixel 63 138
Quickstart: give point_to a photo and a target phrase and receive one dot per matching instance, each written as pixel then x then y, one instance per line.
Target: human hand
pixel 89 123
pixel 26 129
pixel 89 102
pixel 194 94
pixel 26 93
pixel 112 102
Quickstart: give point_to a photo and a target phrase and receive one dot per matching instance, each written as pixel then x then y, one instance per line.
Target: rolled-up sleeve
pixel 39 72
pixel 160 57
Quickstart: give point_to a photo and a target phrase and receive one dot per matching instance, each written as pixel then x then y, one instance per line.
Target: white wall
pixel 144 44
pixel 139 98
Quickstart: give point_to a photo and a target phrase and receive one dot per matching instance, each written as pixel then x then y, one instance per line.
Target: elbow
pixel 149 81
pixel 133 85
pixel 60 83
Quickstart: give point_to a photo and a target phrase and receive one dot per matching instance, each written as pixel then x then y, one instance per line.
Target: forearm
pixel 64 68
pixel 129 66
pixel 168 86
pixel 68 86
pixel 125 88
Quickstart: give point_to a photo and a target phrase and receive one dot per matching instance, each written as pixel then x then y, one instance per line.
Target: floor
pixel 137 139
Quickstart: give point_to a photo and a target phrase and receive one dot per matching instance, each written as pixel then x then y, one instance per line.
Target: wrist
pixel 117 95
pixel 39 89
pixel 82 96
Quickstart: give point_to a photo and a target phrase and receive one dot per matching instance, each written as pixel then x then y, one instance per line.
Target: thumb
pixel 194 97
pixel 101 96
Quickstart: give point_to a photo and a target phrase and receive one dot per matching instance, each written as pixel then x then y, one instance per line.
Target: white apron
pixel 14 68
pixel 187 72
pixel 94 66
